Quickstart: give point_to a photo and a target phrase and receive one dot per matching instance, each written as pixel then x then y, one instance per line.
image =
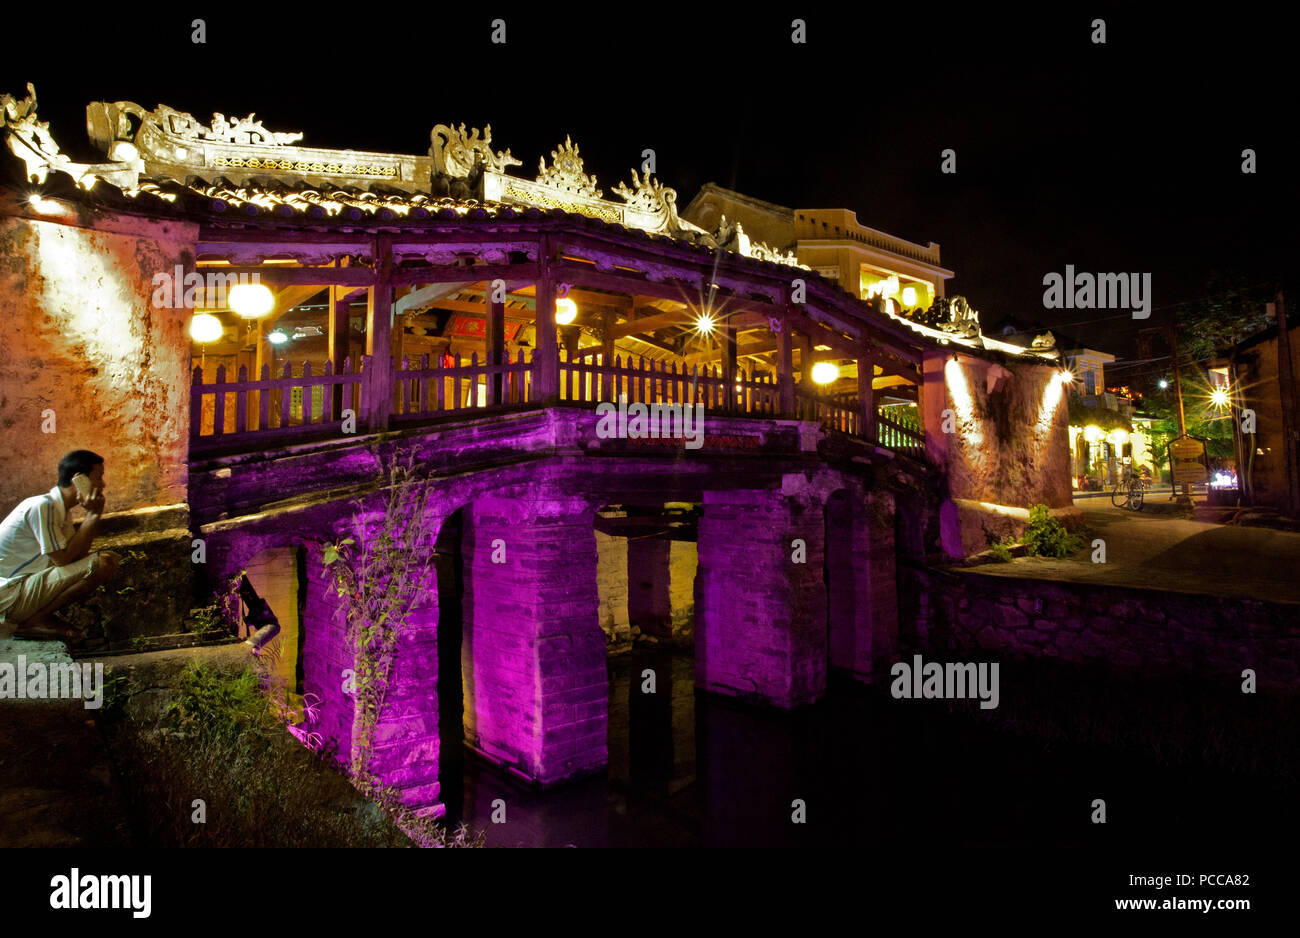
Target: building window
pixel 1090 382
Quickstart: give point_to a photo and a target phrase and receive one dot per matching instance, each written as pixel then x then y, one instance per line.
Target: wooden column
pixel 339 305
pixel 866 398
pixel 379 337
pixel 607 354
pixel 546 357
pixel 728 337
pixel 496 333
pixel 803 346
pixel 785 367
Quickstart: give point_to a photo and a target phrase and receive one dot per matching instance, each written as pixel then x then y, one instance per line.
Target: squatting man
pixel 45 560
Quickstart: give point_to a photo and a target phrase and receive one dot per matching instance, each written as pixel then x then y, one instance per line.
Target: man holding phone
pixel 46 562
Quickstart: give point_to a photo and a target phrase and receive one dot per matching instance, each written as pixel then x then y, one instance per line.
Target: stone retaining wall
pixel 1133 631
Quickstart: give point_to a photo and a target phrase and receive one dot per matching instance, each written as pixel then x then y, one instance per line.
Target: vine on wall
pixel 378 572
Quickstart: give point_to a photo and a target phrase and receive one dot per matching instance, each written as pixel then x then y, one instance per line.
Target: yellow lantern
pixel 825 372
pixel 205 328
pixel 251 300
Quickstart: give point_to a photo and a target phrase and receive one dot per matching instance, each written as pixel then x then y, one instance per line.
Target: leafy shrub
pixel 220 739
pixel 1046 537
pixel 1000 551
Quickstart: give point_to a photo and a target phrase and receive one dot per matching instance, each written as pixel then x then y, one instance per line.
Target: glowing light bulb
pixel 206 328
pixel 278 338
pixel 565 311
pixel 251 300
pixel 825 372
pixel 1219 398
pixel 909 296
pixel 704 324
pixel 1067 376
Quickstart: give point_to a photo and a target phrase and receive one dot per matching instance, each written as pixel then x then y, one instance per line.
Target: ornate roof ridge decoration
pixel 566 172
pixel 175 145
pixel 244 164
pixel 946 316
pixel 30 140
pixel 454 152
pixel 649 195
pixel 243 131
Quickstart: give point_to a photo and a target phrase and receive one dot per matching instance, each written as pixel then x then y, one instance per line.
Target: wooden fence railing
pixel 900 434
pixel 243 407
pixel 300 401
pixel 837 413
pixel 584 380
pixel 445 388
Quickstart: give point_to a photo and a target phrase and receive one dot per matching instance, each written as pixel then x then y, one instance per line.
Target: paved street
pixel 1155 549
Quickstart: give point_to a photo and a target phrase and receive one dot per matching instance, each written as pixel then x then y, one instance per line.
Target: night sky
pixel 1124 157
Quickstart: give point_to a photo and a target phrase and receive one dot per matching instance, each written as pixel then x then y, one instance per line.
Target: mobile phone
pixel 83 485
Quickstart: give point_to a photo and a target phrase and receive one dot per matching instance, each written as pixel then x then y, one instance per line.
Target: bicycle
pixel 1129 491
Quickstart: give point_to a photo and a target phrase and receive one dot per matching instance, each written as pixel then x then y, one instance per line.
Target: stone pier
pixel 862 594
pixel 534 653
pixel 760 597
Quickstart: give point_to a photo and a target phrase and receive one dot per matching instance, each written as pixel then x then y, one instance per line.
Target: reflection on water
pixel 702 770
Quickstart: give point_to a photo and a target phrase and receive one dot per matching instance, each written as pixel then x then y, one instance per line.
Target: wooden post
pixel 339 306
pixel 606 355
pixel 379 337
pixel 257 366
pixel 785 366
pixel 496 344
pixel 728 337
pixel 546 357
pixel 803 346
pixel 866 398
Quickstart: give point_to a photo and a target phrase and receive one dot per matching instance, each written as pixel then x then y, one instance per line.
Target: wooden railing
pixel 588 381
pixel 899 433
pixel 446 388
pixel 243 407
pixel 225 409
pixel 840 412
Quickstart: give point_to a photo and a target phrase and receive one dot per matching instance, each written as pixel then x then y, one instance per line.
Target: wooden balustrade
pixel 646 381
pixel 461 385
pixel 242 408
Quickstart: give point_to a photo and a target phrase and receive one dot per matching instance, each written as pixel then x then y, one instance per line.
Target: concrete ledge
pixel 968 527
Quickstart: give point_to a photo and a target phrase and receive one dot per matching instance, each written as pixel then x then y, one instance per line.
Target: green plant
pixel 210 619
pixel 1046 537
pixel 1000 551
pixel 378 574
pixel 116 694
pixel 208 701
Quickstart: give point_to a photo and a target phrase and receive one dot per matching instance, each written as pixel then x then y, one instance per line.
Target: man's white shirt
pixel 38 526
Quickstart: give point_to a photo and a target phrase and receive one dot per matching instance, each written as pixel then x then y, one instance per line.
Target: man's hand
pixel 95 504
